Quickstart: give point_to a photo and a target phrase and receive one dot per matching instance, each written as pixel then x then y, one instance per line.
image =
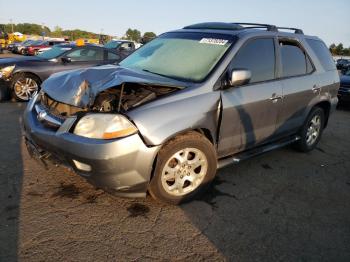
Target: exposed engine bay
pixel 117 99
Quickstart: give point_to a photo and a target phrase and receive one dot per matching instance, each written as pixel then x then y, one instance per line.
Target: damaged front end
pixel 118 99
pixel 91 133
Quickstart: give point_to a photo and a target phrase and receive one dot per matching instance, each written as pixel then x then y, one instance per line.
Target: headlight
pixel 104 126
pixel 6 71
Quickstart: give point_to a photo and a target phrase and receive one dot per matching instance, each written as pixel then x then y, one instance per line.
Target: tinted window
pixel 322 54
pixel 258 56
pixel 86 54
pixel 112 56
pixel 294 60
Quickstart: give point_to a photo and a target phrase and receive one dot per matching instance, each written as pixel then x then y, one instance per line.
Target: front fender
pixel 159 123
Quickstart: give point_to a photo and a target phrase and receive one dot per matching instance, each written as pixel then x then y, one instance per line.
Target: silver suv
pixel 183 105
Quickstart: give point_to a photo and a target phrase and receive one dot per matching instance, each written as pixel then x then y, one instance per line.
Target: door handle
pixel 315 89
pixel 274 98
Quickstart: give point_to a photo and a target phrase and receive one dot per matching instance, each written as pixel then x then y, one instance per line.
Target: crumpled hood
pixel 80 87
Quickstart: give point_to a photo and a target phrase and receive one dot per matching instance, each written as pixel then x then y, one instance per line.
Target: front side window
pixel 184 56
pixel 294 60
pixel 86 54
pixel 257 56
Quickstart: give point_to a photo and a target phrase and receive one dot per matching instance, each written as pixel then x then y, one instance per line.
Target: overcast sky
pixel 324 18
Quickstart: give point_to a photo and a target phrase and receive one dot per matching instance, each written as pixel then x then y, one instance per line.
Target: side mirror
pixel 66 60
pixel 240 77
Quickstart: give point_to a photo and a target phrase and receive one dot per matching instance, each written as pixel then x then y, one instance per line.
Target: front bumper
pixel 122 166
pixel 344 94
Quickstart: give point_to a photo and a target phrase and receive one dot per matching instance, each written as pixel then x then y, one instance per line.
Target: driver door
pixel 250 111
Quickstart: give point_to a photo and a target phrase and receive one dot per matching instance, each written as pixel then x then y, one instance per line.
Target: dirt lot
pixel 281 206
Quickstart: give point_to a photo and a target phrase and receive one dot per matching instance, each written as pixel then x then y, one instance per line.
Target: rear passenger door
pixel 250 111
pixel 299 85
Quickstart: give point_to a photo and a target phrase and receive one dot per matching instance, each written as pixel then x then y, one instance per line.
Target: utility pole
pixel 11 25
pixel 43 31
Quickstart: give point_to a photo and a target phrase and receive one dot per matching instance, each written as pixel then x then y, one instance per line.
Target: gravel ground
pixel 281 206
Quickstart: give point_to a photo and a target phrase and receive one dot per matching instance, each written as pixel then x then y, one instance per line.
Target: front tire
pixel 24 86
pixel 311 131
pixel 185 166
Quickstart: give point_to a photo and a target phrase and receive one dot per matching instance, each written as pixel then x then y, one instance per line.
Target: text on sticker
pixel 213 41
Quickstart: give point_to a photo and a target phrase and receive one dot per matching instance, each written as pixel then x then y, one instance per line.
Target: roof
pixel 242 28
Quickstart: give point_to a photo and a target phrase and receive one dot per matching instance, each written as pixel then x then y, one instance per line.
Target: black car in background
pixel 23 76
pixel 343 64
pixel 344 90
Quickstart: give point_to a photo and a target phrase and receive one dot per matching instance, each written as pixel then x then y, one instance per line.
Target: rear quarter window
pixel 322 53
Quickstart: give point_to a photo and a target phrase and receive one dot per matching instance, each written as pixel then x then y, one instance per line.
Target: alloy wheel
pixel 184 171
pixel 313 130
pixel 25 88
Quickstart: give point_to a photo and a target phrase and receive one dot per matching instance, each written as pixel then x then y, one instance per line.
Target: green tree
pixel 149 35
pixel 133 34
pixel 57 32
pixel 339 49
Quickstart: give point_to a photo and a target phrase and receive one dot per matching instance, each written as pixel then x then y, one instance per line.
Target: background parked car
pixel 22 76
pixel 122 47
pixel 19 47
pixel 51 44
pixel 344 90
pixel 343 64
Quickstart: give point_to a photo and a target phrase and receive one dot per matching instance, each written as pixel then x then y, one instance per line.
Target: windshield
pixel 112 44
pixel 54 52
pixel 185 56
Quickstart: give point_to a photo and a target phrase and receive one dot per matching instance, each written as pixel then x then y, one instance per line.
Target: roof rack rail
pixel 256 25
pixel 239 26
pixel 296 30
pixel 270 27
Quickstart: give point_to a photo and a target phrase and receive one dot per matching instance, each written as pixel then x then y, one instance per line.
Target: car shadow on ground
pixel 11 175
pixel 283 205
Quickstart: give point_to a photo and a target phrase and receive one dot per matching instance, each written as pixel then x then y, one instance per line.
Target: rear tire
pixel 311 131
pixel 184 168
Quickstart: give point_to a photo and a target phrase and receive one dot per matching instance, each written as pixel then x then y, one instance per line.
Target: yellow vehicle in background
pixel 6 39
pixel 82 41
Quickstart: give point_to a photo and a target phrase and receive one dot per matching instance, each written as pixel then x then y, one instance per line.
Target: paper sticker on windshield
pixel 213 41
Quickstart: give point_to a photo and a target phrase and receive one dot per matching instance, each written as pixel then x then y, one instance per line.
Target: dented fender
pixel 161 120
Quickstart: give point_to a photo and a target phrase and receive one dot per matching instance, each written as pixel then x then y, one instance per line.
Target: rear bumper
pixel 122 166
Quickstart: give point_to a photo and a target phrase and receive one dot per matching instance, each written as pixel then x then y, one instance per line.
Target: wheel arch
pixel 203 131
pixel 27 73
pixel 326 107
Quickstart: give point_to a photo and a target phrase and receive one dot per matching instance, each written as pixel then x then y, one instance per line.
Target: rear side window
pixel 294 60
pixel 258 56
pixel 322 53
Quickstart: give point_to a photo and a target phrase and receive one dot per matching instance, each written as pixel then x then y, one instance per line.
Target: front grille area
pixel 58 109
